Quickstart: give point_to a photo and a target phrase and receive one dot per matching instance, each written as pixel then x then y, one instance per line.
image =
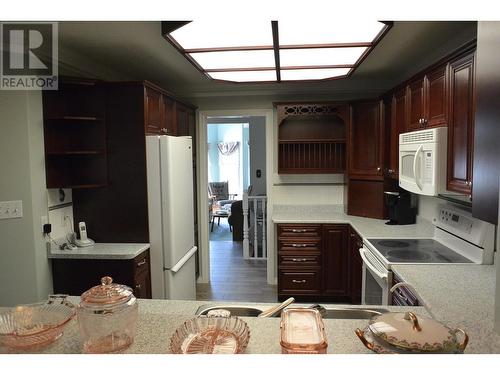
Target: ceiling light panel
pixel 245 76
pixel 313 32
pixel 320 56
pixel 235 59
pixel 310 74
pixel 214 34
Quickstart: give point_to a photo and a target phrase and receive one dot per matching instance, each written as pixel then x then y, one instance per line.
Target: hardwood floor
pixel 234 278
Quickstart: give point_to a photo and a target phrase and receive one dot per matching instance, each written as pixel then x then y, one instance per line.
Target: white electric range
pixel 458 238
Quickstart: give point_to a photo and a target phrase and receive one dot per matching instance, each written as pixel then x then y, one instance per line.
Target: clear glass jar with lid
pixel 107 317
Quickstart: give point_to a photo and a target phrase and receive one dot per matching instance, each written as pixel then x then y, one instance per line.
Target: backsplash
pixel 60 214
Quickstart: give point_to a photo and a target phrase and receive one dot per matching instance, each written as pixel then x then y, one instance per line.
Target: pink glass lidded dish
pixel 107 317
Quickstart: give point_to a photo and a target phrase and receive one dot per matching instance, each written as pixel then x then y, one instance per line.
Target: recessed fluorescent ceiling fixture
pixel 235 59
pixel 247 52
pixel 217 34
pixel 320 56
pixel 245 76
pixel 311 31
pixel 311 74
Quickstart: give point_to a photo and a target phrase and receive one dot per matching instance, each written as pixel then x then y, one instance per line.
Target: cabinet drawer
pixel 300 245
pixel 298 230
pixel 299 260
pixel 300 282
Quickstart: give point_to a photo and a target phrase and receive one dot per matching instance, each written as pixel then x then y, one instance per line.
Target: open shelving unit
pixel 311 139
pixel 75 135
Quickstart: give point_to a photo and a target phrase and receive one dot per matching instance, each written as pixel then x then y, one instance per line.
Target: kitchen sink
pixel 327 313
pixel 352 313
pixel 236 310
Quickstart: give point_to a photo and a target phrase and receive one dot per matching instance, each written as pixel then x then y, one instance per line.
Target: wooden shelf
pixel 75 118
pixel 75 135
pixel 73 153
pixel 340 140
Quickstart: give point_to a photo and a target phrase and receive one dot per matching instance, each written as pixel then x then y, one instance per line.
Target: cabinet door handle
pixel 299 260
pixel 391 171
pixel 164 130
pixel 379 169
pixel 142 263
pixel 298 245
pixel 298 281
pixel 299 230
pixel 138 288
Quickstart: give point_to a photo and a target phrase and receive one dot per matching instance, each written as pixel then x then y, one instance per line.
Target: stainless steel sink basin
pixel 236 310
pixel 352 313
pixel 327 313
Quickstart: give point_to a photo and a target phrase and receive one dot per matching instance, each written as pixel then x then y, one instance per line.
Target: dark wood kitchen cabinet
pixel 153 111
pixel 461 124
pixel 355 267
pixel 396 118
pixel 312 137
pixel 314 262
pixel 426 99
pixel 367 160
pixel 335 260
pixel 118 212
pixel 487 124
pixel 365 140
pixel 75 276
pixel 415 103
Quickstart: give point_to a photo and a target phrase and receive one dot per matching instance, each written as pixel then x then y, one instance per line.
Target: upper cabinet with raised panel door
pixel 163 115
pixel 415 103
pixel 395 122
pixel 365 140
pixel 461 124
pixel 436 97
pixel 426 100
pixel 153 111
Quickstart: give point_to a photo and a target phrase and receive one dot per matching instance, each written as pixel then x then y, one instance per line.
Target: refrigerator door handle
pixel 183 260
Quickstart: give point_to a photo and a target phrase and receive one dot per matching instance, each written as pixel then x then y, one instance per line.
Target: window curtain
pixel 229 165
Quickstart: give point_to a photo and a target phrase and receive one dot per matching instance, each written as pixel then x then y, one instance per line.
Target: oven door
pixel 376 280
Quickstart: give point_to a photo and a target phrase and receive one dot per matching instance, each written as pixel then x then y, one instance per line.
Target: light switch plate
pixel 11 209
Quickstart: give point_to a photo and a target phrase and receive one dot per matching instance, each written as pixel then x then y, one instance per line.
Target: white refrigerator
pixel 171 221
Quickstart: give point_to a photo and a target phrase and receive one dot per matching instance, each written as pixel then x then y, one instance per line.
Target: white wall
pixel 497 261
pixel 258 154
pixel 24 268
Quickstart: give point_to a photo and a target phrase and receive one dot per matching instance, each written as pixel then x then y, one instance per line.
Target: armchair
pixel 218 193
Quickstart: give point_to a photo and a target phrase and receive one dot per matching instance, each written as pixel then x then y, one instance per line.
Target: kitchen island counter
pixel 158 320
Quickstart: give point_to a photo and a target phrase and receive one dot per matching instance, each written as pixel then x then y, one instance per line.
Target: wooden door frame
pixel 202 179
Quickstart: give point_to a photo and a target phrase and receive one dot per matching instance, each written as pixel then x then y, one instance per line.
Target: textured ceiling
pixel 137 51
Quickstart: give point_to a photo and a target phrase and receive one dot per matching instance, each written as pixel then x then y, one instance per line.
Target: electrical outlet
pixel 11 209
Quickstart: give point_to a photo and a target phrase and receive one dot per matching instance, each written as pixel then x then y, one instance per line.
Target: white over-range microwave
pixel 422 161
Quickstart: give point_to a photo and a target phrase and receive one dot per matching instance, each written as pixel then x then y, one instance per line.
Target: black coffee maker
pixel 402 207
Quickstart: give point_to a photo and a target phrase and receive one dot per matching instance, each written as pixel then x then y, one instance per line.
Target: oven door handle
pixel 370 266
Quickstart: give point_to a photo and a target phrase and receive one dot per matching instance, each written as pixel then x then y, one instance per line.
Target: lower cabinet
pixel 317 262
pixel 75 276
pixel 355 266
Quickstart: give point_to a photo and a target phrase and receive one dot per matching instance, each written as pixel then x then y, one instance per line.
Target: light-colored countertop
pixel 158 320
pixel 101 251
pixel 334 214
pixel 458 295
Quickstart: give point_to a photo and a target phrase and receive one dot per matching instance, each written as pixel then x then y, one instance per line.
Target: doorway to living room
pixel 236 176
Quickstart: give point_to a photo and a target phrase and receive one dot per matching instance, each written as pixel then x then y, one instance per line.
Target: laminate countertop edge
pixel 118 251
